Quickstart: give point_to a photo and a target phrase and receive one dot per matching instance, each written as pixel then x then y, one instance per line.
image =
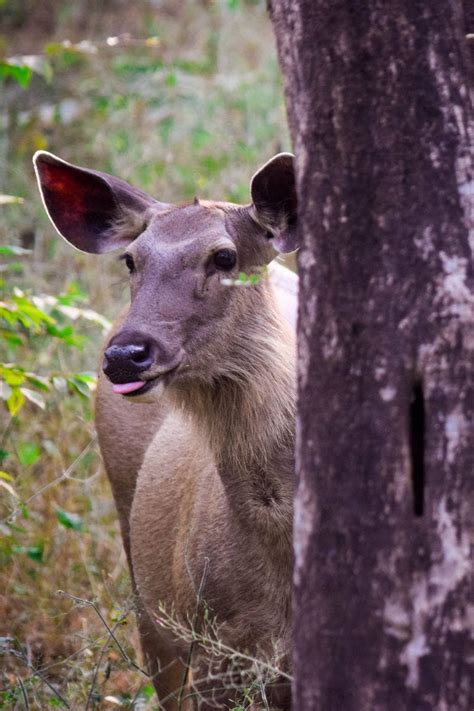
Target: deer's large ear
pixel 93 211
pixel 274 201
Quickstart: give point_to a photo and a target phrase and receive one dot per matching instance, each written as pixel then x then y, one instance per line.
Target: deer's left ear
pixel 93 211
pixel 274 201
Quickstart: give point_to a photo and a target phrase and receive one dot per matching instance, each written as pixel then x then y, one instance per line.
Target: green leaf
pixel 20 73
pixel 67 335
pixel 34 397
pixel 148 692
pixel 6 476
pixel 82 384
pixel 15 267
pixel 171 79
pixel 69 520
pixel 89 378
pixel 28 453
pixel 32 311
pixel 11 338
pixel 73 294
pixel 10 250
pixel 200 137
pixel 6 313
pixel 12 375
pixel 16 401
pixel 38 380
pixel 34 552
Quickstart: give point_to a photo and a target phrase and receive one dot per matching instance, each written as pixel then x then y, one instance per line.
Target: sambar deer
pixel 195 414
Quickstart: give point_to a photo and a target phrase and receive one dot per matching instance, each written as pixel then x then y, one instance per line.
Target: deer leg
pixel 165 663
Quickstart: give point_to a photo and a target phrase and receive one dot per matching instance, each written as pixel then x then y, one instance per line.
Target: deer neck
pixel 247 414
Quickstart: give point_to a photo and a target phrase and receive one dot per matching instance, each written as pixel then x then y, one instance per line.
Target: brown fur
pixel 200 463
pixel 213 462
pixel 216 483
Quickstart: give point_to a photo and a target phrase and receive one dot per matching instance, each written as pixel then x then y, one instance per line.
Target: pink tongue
pixel 124 388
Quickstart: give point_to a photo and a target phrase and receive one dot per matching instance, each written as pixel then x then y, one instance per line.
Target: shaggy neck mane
pixel 247 413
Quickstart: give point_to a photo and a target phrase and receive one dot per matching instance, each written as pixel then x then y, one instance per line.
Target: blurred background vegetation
pixel 179 99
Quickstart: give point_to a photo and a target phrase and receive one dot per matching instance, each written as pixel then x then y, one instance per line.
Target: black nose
pixel 127 357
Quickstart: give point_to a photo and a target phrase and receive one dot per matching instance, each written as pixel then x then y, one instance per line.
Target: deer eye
pixel 225 259
pixel 128 259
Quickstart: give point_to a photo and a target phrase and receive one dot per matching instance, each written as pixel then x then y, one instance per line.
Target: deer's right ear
pixel 274 201
pixel 93 211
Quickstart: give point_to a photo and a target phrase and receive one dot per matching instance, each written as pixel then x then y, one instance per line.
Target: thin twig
pixel 89 603
pixel 23 691
pixel 216 646
pixel 63 661
pixel 37 672
pixel 263 694
pixel 195 625
pixel 65 475
pixel 259 673
pixel 101 656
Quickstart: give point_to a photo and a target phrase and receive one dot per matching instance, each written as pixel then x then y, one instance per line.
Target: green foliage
pixel 34 552
pixel 19 72
pixel 28 453
pixel 70 520
pixel 30 321
pixel 245 280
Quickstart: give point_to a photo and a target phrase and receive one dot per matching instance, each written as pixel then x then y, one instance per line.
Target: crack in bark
pixel 417 447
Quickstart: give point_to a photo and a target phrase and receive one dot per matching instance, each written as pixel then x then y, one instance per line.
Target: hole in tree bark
pixel 417 447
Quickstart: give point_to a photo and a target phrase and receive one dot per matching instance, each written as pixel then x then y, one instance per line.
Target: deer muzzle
pixel 134 363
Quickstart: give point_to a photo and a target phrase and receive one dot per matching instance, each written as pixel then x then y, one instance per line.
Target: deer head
pixel 184 314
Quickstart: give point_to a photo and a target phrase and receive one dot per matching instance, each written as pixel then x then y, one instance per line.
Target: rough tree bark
pixel 381 121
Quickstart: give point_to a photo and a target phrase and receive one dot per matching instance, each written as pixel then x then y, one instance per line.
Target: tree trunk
pixel 381 120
